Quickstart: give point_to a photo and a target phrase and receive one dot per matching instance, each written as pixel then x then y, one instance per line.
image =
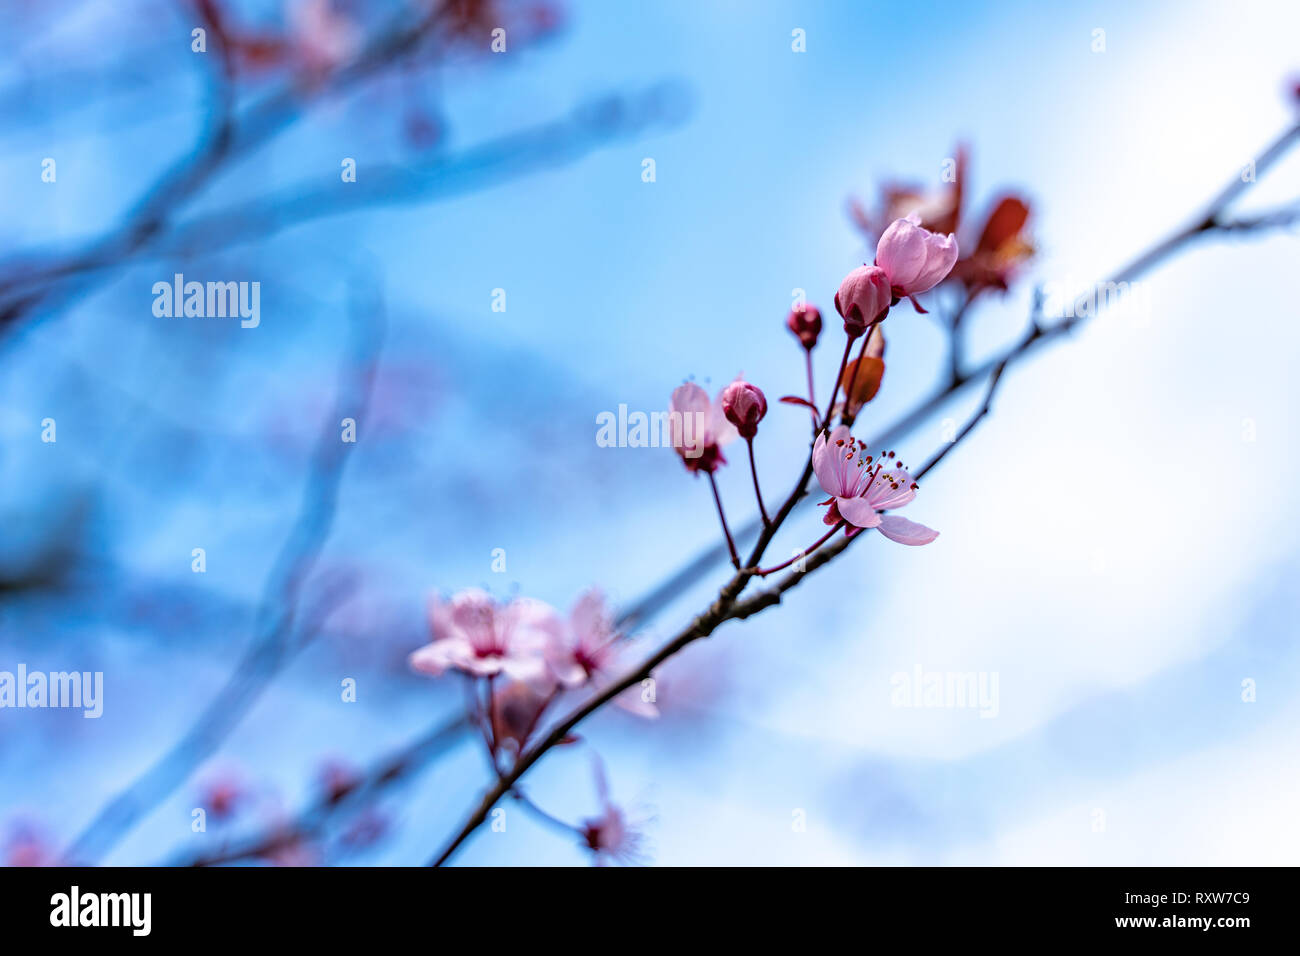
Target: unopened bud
pixel 744 405
pixel 863 299
pixel 806 323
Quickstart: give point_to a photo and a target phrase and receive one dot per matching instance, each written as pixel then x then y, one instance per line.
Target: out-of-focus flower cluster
pixel 521 656
pixel 537 651
pixel 312 40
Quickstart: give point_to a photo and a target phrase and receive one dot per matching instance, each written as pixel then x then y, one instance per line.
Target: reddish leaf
pixel 866 383
pixel 796 400
pixel 1005 222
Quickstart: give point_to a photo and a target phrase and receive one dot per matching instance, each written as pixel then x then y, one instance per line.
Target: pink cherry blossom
pixel 475 634
pixel 864 297
pixel 860 488
pixel 586 648
pixel 915 259
pixel 699 428
pixel 589 651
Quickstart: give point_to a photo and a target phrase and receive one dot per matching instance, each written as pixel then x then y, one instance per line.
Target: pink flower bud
pixel 864 298
pixel 806 324
pixel 915 259
pixel 744 405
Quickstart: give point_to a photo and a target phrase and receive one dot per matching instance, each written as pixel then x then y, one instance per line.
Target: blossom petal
pixel 826 457
pixel 529 669
pixel 897 528
pixel 858 512
pixel 688 417
pixel 567 671
pixel 901 252
pixel 689 398
pixel 941 257
pixel 589 619
pixel 434 659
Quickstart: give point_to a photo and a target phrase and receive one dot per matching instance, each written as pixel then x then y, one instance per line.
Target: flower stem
pixel 826 420
pixel 474 711
pixel 488 729
pixel 767 522
pixel 717 500
pixel 764 572
pixel 812 395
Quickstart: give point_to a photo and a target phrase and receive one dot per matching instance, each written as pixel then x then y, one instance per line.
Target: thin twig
pixel 722 517
pixel 753 471
pixel 994 379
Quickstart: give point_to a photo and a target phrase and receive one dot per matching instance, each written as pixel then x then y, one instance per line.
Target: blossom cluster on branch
pixel 910 260
pixel 521 655
pixel 519 658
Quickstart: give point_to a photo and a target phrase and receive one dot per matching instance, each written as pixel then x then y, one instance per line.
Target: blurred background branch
pixel 277 622
pixel 239 119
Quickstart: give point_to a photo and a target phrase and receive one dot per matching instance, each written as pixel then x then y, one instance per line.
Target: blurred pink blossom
pixel 589 650
pixel 475 634
pixel 612 837
pixel 699 428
